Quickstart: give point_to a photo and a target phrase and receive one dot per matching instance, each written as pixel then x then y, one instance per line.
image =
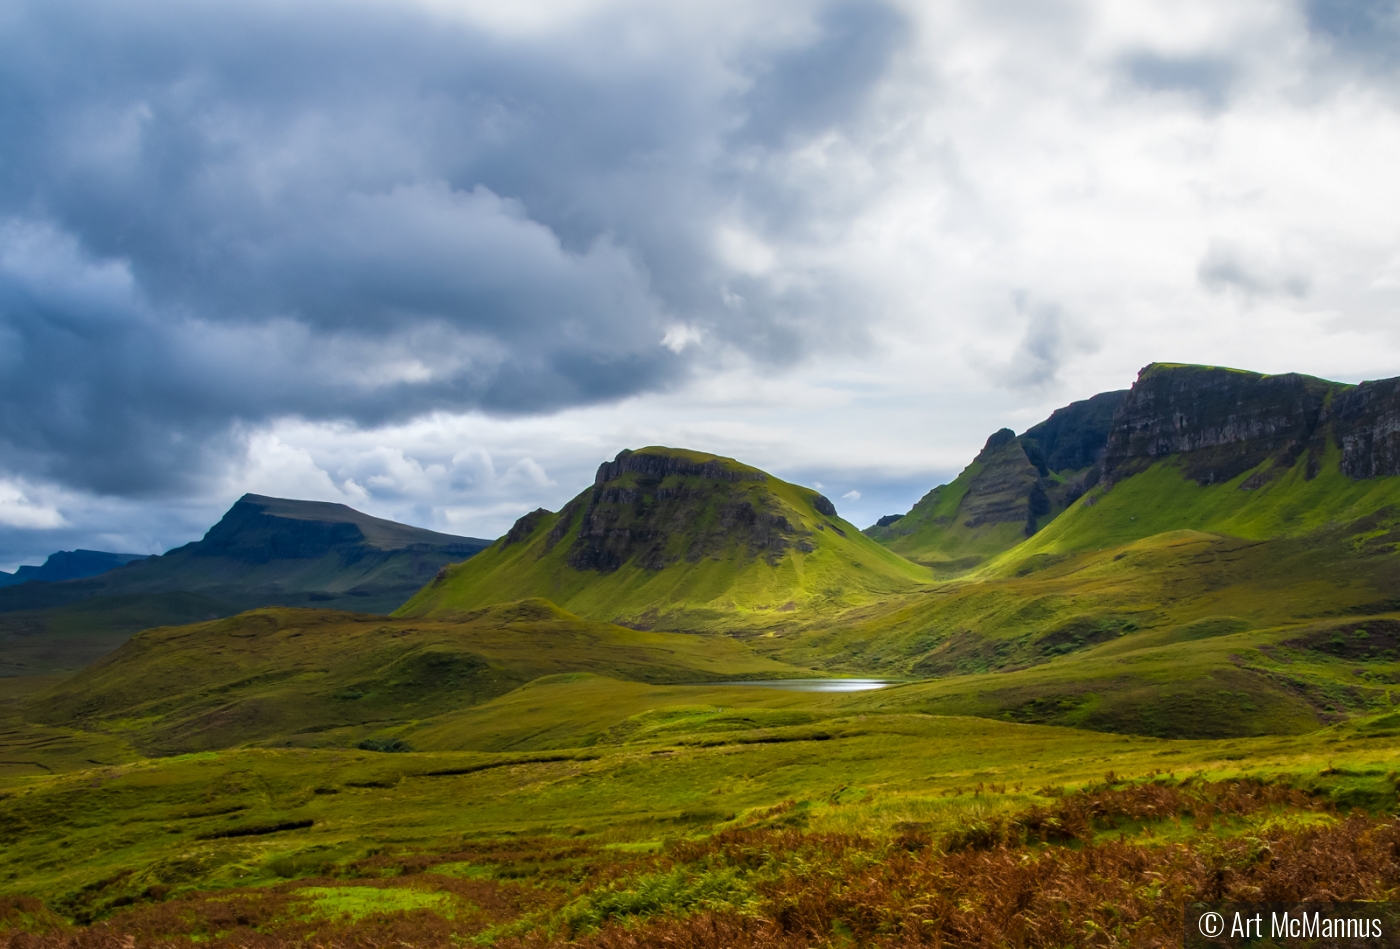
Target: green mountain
pixel 1013 487
pixel 263 552
pixel 681 540
pixel 1234 569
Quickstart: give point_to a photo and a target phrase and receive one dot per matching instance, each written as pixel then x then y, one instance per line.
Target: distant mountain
pixel 69 565
pixel 1013 487
pixel 672 539
pixel 263 552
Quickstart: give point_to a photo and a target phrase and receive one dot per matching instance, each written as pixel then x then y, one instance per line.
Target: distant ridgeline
pixel 69 565
pixel 673 539
pixel 263 552
pixel 1210 426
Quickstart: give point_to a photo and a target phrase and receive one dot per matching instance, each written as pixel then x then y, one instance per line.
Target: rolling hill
pixel 326 678
pixel 681 540
pixel 263 552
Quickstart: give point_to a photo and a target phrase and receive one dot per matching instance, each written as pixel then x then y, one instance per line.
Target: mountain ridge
pixel 262 552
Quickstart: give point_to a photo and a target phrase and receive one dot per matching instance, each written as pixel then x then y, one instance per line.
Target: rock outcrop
pixel 1365 421
pixel 657 508
pixel 1221 422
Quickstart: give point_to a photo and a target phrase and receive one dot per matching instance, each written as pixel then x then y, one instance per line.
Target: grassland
pixel 1172 692
pixel 610 827
pixel 323 678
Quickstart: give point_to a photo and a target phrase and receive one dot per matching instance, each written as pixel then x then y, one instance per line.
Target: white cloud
pixel 17 509
pixel 852 495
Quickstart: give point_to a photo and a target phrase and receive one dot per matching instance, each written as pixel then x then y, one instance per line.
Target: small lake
pixel 807 685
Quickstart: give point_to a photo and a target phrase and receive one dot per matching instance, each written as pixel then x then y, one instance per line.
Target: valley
pixel 1159 630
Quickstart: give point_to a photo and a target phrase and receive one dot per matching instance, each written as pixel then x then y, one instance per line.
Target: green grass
pixel 318 677
pixel 357 902
pixel 86 840
pixel 1160 500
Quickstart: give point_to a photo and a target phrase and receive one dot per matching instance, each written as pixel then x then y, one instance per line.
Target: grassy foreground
pixel 687 810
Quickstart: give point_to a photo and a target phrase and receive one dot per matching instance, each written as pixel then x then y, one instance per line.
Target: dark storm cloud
pixel 211 216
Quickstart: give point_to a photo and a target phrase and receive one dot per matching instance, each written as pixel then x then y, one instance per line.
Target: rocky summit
pixel 694 537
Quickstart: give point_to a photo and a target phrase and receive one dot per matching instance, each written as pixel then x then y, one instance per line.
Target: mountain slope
pixel 69 565
pixel 324 677
pixel 1252 511
pixel 1013 487
pixel 674 539
pixel 272 551
pixel 263 552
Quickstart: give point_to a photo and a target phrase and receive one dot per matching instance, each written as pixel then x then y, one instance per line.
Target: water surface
pixel 807 685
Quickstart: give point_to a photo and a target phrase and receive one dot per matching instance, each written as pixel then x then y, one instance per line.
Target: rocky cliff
pixel 1224 422
pixel 1221 422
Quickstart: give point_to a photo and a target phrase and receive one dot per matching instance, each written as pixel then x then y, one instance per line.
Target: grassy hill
pixel 675 539
pixel 319 677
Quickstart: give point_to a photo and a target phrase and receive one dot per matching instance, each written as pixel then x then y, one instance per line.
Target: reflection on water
pixel 809 685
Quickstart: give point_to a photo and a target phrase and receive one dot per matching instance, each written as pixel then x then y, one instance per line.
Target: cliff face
pixel 1366 423
pixel 1222 422
pixel 660 507
pixel 1075 436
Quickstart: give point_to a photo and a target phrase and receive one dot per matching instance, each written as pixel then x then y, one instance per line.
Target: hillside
pixel 674 539
pixel 1013 487
pixel 1236 516
pixel 326 678
pixel 69 565
pixel 263 552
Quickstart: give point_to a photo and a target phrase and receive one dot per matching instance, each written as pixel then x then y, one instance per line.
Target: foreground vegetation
pixel 714 816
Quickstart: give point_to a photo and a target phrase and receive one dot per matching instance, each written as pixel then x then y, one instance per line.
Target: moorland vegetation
pixel 1143 654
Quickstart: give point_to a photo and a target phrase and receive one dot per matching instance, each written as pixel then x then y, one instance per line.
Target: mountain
pixel 1231 566
pixel 1015 485
pixel 673 539
pixel 69 565
pixel 263 552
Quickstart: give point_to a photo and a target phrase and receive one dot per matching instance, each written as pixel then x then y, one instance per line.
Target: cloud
pixel 366 212
pixel 438 258
pixel 1368 29
pixel 1228 265
pixel 1207 78
pixel 851 495
pixel 17 510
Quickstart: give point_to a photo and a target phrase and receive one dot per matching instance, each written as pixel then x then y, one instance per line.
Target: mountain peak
pixel 672 531
pixel 259 521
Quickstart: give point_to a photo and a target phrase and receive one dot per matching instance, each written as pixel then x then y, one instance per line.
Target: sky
pixel 438 259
